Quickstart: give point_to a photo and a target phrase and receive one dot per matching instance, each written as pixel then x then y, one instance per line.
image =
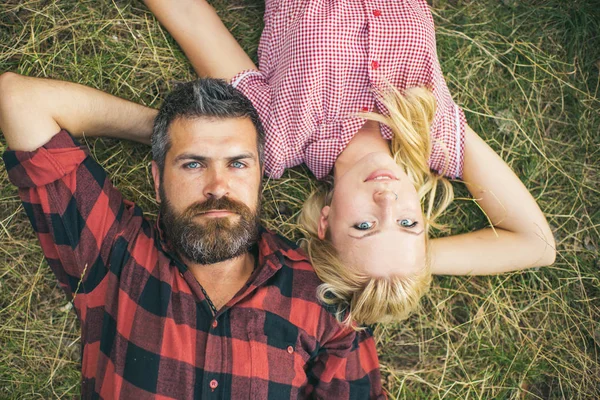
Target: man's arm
pixel 207 43
pixel 33 110
pixel 82 222
pixel 521 237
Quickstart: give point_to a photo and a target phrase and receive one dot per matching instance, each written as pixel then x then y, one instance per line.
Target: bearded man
pixel 204 304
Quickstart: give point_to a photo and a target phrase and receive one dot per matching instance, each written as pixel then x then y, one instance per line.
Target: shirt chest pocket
pixel 278 358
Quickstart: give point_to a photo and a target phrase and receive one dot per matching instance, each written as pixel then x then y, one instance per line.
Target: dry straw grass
pixel 526 72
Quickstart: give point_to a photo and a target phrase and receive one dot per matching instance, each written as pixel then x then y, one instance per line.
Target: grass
pixel 527 75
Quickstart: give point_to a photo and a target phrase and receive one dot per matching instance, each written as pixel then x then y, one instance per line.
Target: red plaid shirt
pixel 319 63
pixel 148 331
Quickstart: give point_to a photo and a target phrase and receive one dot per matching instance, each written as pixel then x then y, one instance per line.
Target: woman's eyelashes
pixel 363 226
pixel 366 225
pixel 407 223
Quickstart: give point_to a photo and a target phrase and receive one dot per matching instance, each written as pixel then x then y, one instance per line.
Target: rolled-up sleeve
pixel 47 164
pixel 447 136
pixel 73 208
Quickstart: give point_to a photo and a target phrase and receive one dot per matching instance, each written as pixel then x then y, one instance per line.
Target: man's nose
pixel 217 185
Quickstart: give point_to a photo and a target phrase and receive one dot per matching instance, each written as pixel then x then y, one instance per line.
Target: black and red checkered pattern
pixel 148 331
pixel 319 63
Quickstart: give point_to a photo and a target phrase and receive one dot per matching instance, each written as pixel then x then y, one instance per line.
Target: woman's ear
pixel 323 223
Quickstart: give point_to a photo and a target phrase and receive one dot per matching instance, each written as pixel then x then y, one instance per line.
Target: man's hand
pixel 33 110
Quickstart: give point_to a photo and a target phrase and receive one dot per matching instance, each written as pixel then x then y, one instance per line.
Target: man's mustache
pixel 222 204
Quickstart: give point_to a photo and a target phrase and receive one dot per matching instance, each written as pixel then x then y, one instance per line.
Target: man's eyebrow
pixel 377 231
pixel 190 156
pixel 200 158
pixel 242 156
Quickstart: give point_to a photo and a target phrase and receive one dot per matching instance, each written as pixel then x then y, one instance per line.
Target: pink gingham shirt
pixel 319 62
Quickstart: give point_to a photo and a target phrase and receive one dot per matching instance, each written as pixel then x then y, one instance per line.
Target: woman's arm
pixel 521 237
pixel 206 42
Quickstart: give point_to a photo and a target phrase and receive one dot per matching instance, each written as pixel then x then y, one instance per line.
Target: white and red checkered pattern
pixel 319 62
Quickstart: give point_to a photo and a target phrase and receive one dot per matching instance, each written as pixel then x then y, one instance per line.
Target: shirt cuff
pixel 461 122
pixel 47 164
pixel 241 76
pixel 447 153
pixel 253 84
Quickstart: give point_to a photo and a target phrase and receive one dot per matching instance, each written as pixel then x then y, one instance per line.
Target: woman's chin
pixel 376 160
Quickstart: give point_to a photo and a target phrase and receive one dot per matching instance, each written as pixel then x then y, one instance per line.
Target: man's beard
pixel 214 239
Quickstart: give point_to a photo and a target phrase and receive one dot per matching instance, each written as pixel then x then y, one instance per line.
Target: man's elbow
pixel 7 77
pixel 9 90
pixel 9 81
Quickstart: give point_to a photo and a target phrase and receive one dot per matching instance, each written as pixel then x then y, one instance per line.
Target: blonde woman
pixel 354 90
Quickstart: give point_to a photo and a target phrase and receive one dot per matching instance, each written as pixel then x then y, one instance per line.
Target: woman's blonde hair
pixel 360 299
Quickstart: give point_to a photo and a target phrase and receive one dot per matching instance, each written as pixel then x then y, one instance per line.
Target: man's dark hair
pixel 202 98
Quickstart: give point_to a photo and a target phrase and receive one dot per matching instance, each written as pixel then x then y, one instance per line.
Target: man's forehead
pixel 211 125
pixel 229 135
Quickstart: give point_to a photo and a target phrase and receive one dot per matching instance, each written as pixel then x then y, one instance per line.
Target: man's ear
pixel 156 177
pixel 323 223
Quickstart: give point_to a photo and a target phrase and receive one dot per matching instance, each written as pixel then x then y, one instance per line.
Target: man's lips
pixel 215 213
pixel 381 175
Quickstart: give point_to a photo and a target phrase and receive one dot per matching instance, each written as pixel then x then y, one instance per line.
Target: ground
pixel 526 74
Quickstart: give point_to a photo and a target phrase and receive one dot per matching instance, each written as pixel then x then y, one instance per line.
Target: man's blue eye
pixel 407 223
pixel 193 165
pixel 237 164
pixel 363 226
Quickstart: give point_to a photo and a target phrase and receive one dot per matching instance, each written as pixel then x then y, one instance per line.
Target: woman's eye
pixel 407 223
pixel 363 226
pixel 238 164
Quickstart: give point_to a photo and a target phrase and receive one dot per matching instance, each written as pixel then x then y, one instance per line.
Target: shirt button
pixel 365 109
pixel 374 64
pixel 377 13
pixel 213 384
pixel 215 323
pixel 290 349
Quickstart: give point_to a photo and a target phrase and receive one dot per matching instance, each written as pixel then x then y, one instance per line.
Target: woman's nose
pixel 384 197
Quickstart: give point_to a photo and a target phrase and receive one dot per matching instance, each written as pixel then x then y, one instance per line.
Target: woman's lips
pixel 381 175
